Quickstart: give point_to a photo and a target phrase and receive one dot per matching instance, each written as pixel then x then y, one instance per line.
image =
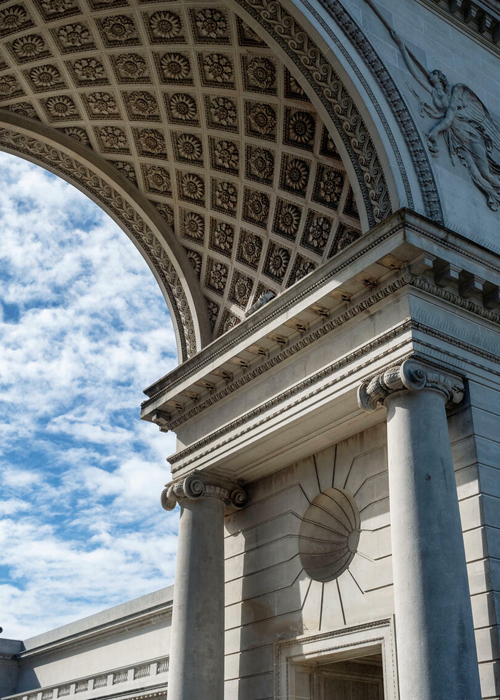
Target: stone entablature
pixel 480 18
pixel 407 258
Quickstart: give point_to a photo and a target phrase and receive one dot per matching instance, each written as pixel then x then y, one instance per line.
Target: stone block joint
pixel 410 375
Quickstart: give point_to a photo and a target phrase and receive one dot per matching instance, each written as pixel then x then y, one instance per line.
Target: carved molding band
pixel 198 485
pixel 323 79
pixel 408 376
pixel 151 246
pixel 395 101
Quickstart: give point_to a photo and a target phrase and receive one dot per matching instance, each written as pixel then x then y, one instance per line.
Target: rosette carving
pixel 198 485
pixel 410 375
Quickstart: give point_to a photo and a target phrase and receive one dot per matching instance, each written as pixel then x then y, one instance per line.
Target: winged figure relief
pixel 471 134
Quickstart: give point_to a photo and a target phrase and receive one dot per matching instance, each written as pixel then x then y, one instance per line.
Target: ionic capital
pixel 200 485
pixel 410 375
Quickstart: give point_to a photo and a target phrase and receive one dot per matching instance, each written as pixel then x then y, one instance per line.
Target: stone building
pixel 315 185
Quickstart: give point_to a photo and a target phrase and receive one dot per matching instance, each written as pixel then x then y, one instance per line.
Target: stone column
pixel 197 639
pixel 434 630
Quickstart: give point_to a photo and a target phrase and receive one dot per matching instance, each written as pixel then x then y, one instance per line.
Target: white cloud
pixel 83 329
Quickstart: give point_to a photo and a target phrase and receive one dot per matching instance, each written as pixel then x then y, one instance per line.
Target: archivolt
pixel 87 179
pixel 325 82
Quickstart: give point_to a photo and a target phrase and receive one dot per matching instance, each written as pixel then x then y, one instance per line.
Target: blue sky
pixel 83 329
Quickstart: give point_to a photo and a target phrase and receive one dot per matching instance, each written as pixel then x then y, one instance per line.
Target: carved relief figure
pixel 470 132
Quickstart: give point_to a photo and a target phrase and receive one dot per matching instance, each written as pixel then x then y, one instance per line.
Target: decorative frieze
pixel 409 376
pixel 198 485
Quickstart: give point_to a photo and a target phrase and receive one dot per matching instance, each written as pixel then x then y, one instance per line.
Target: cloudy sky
pixel 83 329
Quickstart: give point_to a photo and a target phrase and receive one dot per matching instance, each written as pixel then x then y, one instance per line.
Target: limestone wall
pixel 475 432
pixel 268 595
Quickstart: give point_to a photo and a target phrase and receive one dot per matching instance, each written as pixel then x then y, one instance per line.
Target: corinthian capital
pixel 410 375
pixel 200 485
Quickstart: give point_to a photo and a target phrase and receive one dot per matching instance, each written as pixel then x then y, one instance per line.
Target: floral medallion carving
pixel 316 232
pixel 88 71
pixel 165 26
pixel 175 68
pixel 188 148
pixel 142 106
pixel 259 74
pixel 294 175
pixel 224 155
pixel 221 237
pixel 101 104
pixel 77 134
pixel 74 37
pixel 119 30
pixel 150 143
pixel 195 260
pixel 216 70
pixel 299 129
pixel 241 289
pixel 216 276
pixel 60 108
pixel 287 219
pixel 15 18
pixel 191 188
pixel 182 109
pixel 261 120
pixel 210 26
pixel 29 48
pixel 222 113
pixel 259 164
pixel 277 262
pixel 224 197
pixel 131 68
pixel 249 249
pixel 192 225
pixel 256 207
pixel 328 186
pixel 157 179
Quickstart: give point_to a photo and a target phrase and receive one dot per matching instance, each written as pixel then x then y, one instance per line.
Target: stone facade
pixel 315 184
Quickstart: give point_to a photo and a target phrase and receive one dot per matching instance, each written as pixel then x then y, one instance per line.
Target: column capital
pixel 410 375
pixel 200 485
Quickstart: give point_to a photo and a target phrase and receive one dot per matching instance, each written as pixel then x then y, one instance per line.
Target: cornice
pixel 279 305
pixel 479 19
pixel 403 220
pixel 406 279
pixel 290 393
pixel 128 622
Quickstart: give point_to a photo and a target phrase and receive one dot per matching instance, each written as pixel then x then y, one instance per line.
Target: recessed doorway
pixel 356 663
pixel 356 679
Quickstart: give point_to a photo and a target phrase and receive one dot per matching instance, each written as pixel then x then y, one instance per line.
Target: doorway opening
pixel 355 663
pixel 360 678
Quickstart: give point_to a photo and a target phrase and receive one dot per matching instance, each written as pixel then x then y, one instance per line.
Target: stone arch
pixel 134 214
pixel 300 45
pixel 254 29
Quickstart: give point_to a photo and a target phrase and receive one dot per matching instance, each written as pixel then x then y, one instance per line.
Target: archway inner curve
pixel 192 107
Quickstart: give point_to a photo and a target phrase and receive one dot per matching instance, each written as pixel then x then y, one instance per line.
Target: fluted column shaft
pixel 434 628
pixel 197 638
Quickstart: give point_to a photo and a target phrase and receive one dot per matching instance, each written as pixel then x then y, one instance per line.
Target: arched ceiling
pixel 188 102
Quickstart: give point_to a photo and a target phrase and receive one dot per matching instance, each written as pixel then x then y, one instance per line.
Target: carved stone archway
pixel 200 131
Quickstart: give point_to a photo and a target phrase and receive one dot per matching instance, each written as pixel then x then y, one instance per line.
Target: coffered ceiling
pixel 191 105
